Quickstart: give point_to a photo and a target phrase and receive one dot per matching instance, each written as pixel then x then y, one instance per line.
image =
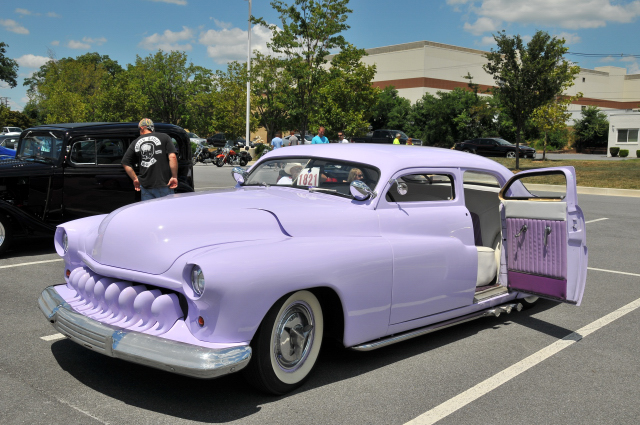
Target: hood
pixel 17 167
pixel 150 236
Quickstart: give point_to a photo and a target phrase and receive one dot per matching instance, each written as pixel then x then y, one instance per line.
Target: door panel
pixel 545 240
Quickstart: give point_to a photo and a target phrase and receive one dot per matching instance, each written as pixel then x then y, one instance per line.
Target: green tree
pixel 552 116
pixel 346 99
pixel 592 130
pixel 230 100
pixel 14 118
pixel 527 77
pixel 390 111
pixel 8 67
pixel 309 31
pixel 270 85
pixel 164 79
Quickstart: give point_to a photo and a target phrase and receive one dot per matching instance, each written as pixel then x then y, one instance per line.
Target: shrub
pixel 624 153
pixel 194 146
pixel 637 154
pixel 614 151
pixel 262 149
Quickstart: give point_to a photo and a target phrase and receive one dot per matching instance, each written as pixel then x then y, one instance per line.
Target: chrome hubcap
pixel 294 336
pixel 2 234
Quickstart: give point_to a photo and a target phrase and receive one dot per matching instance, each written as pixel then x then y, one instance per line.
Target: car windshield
pixel 193 136
pixel 324 175
pixel 14 129
pixel 41 147
pixel 503 142
pixel 402 135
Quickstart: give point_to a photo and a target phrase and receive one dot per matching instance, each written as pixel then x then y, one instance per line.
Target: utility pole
pixel 4 101
pixel 248 79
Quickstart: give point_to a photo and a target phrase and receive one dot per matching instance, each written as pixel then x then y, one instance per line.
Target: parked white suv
pixel 11 131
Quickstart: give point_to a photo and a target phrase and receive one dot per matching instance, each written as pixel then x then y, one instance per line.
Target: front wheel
pixel 511 154
pixel 194 160
pixel 5 233
pixel 219 162
pixel 287 344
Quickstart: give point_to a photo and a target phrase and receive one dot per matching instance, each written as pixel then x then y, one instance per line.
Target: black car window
pixel 422 188
pixel 83 152
pixel 110 151
pixel 45 147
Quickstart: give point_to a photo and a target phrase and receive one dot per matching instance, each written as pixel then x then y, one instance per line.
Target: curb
pixel 584 190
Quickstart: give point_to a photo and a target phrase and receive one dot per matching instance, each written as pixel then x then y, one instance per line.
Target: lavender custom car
pixel 368 244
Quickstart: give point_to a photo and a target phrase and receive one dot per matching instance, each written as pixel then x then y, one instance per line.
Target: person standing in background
pixel 396 141
pixel 341 138
pixel 293 140
pixel 277 141
pixel 320 138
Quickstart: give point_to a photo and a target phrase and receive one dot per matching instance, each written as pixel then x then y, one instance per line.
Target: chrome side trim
pixel 495 311
pixel 160 353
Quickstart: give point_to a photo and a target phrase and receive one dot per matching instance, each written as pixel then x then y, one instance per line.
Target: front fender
pixel 239 292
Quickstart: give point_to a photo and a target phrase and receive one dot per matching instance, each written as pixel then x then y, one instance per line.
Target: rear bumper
pixel 160 353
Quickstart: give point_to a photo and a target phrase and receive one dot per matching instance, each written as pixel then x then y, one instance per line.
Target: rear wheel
pixel 243 162
pixel 5 233
pixel 287 344
pixel 511 154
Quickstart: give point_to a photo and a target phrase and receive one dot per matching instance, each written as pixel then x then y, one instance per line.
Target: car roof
pixel 101 126
pixel 393 157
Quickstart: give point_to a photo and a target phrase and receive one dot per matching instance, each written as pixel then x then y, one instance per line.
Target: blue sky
pixel 213 32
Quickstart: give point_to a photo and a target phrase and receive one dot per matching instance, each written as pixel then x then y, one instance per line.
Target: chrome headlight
pixel 65 242
pixel 197 280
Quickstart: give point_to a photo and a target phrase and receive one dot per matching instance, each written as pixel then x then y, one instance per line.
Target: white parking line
pixel 593 221
pixel 29 264
pixel 472 394
pixel 53 337
pixel 613 271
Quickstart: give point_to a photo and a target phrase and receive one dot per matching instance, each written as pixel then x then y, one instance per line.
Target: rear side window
pixel 100 151
pixel 422 188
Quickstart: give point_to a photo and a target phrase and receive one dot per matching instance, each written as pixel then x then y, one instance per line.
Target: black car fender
pixel 22 221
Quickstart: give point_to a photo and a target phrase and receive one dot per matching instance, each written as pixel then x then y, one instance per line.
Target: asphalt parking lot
pixel 552 364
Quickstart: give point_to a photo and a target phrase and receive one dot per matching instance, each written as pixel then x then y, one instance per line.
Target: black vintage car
pixel 66 171
pixel 494 146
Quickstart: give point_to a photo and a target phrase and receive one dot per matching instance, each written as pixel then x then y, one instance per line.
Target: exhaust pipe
pixel 507 308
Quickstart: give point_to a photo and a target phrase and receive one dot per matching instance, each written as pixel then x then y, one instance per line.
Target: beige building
pixel 427 67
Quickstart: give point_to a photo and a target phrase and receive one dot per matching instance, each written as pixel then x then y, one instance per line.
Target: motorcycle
pixel 203 154
pixel 230 156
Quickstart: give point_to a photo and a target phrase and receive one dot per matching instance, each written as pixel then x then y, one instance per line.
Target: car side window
pixel 83 152
pixel 110 151
pixel 422 188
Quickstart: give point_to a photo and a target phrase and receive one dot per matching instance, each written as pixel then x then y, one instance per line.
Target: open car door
pixel 544 234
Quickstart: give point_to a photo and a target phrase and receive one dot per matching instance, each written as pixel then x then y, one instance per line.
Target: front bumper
pixel 157 352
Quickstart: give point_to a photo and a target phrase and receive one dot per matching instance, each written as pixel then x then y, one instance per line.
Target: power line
pixel 604 55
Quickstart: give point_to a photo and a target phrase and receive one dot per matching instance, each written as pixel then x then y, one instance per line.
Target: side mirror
pixel 360 191
pixel 401 187
pixel 239 175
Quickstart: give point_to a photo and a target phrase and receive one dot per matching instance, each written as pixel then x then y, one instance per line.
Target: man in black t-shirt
pixel 158 162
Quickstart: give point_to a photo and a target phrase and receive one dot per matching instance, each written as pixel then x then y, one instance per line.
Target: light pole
pixel 248 78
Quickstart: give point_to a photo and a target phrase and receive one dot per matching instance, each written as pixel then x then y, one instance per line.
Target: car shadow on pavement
pixel 231 398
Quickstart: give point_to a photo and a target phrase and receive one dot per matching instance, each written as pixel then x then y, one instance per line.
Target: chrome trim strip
pixel 160 353
pixel 495 311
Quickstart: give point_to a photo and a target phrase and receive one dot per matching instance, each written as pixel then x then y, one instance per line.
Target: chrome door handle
pixel 522 230
pixel 547 231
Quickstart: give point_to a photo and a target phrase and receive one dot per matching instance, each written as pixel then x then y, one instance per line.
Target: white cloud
pixel 487 41
pixel 32 61
pixel 72 44
pixel 633 68
pixel 481 26
pixel 169 40
pixel 608 59
pixel 559 13
pixel 53 15
pixel 178 2
pixel 570 38
pixel 55 43
pixel 99 41
pixel 221 24
pixel 23 11
pixel 13 26
pixel 228 45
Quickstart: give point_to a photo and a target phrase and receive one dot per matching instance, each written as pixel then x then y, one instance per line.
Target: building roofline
pixel 420 44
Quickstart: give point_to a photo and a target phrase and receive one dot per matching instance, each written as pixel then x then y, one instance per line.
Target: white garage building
pixel 623 132
pixel 426 67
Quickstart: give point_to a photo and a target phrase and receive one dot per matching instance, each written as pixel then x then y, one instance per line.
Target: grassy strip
pixel 610 174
